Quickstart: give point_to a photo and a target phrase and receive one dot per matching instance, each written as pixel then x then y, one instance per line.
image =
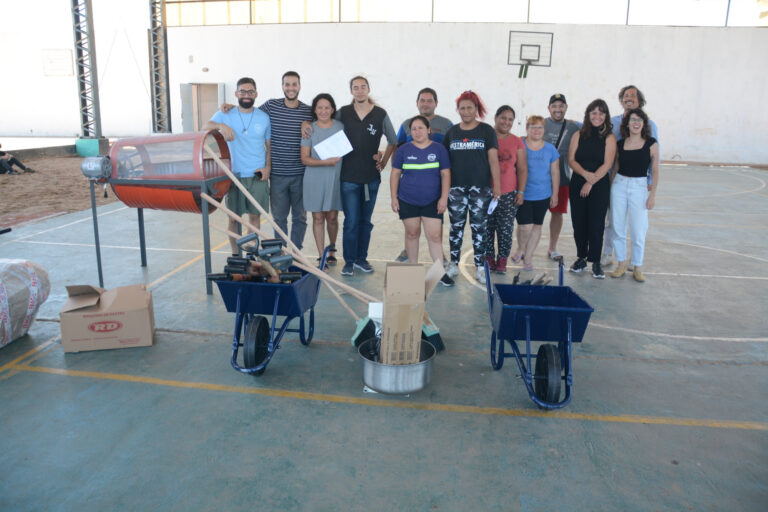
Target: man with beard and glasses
pixel 247 132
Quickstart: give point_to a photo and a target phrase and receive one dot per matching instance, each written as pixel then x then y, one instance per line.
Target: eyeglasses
pixel 635 121
pixel 246 92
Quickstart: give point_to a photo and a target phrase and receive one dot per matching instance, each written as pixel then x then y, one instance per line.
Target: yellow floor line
pixel 185 265
pixel 38 348
pixel 471 409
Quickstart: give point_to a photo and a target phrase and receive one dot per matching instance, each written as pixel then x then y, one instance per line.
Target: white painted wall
pixel 34 103
pixel 705 85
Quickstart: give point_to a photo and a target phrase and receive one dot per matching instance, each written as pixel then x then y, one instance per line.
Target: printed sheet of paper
pixel 335 145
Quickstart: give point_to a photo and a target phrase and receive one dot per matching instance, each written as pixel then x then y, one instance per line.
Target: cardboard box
pixel 98 319
pixel 403 312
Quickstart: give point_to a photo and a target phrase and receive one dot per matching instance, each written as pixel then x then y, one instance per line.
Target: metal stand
pixel 96 233
pixel 207 247
pixel 142 242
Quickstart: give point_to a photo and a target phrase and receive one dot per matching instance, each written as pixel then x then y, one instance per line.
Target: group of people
pixel 470 169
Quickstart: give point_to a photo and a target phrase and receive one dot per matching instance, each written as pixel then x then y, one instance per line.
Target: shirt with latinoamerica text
pixel 468 150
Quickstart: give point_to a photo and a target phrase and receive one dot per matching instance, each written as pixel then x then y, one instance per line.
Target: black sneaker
pixel 447 281
pixel 597 271
pixel 364 266
pixel 579 265
pixel 348 270
pixel 402 257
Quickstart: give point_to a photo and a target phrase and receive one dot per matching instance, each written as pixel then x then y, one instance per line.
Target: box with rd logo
pixel 98 319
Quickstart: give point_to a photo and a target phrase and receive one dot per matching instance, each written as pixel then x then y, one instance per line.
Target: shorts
pixel 409 211
pixel 238 203
pixel 532 212
pixel 562 200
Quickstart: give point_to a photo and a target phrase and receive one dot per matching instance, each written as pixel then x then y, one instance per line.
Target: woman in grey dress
pixel 322 191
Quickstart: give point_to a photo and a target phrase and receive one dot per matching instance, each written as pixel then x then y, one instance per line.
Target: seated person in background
pixel 7 161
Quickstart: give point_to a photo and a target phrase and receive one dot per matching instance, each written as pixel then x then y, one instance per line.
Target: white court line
pixel 62 226
pixel 678 336
pixel 715 249
pixel 134 248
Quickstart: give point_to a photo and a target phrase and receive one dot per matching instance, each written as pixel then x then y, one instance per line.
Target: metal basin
pixel 397 379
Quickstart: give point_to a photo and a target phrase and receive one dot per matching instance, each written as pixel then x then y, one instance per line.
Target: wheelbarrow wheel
pixel 256 342
pixel 497 352
pixel 547 377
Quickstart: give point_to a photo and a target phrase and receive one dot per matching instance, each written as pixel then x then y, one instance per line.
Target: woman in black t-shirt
pixel 473 149
pixel 591 156
pixel 630 194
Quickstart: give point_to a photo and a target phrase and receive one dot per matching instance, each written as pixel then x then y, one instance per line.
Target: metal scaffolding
pixel 158 58
pixel 87 78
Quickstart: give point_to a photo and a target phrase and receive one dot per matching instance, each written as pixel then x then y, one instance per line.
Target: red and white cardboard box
pixel 98 319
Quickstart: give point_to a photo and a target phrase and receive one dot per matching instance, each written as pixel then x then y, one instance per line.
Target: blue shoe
pixel 348 270
pixel 364 266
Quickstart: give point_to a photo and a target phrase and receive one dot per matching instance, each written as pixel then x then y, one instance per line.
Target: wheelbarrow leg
pixel 497 352
pixel 238 329
pixel 306 340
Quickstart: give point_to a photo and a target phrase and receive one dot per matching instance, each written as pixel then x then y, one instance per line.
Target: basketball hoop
pixel 529 49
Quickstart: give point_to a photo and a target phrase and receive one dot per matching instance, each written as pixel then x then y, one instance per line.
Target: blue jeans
pixel 628 200
pixel 357 219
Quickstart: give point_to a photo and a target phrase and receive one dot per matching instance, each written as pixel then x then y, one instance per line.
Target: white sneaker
pixel 480 275
pixel 452 269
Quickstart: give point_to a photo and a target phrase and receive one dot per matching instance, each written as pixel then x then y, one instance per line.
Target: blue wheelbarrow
pixel 251 300
pixel 538 314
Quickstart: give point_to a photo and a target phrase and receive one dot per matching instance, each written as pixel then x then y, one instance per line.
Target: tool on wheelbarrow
pixel 365 328
pixel 292 249
pixel 272 242
pixel 304 263
pixel 250 237
pixel 538 314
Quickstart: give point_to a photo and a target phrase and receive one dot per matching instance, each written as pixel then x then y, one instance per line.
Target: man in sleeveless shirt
pixel 364 125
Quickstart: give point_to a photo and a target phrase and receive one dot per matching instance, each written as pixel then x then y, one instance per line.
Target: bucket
pixel 397 379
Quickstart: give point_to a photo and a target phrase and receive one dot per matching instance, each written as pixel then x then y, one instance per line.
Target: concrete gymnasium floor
pixel 669 409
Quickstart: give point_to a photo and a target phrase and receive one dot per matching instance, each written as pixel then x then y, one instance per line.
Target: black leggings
pixel 588 216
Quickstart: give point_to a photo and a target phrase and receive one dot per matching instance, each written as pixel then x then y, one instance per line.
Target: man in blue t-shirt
pixel 247 132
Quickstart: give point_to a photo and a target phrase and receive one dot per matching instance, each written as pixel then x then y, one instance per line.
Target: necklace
pixel 245 128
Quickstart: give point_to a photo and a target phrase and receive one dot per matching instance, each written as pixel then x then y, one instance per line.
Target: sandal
pixel 527 266
pixel 554 255
pixel 516 257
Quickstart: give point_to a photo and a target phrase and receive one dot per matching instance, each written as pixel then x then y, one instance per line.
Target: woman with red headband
pixel 473 150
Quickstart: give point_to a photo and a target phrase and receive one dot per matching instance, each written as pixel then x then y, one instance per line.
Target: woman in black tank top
pixel 631 196
pixel 590 156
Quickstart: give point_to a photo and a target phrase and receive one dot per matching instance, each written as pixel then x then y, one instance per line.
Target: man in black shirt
pixel 364 124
